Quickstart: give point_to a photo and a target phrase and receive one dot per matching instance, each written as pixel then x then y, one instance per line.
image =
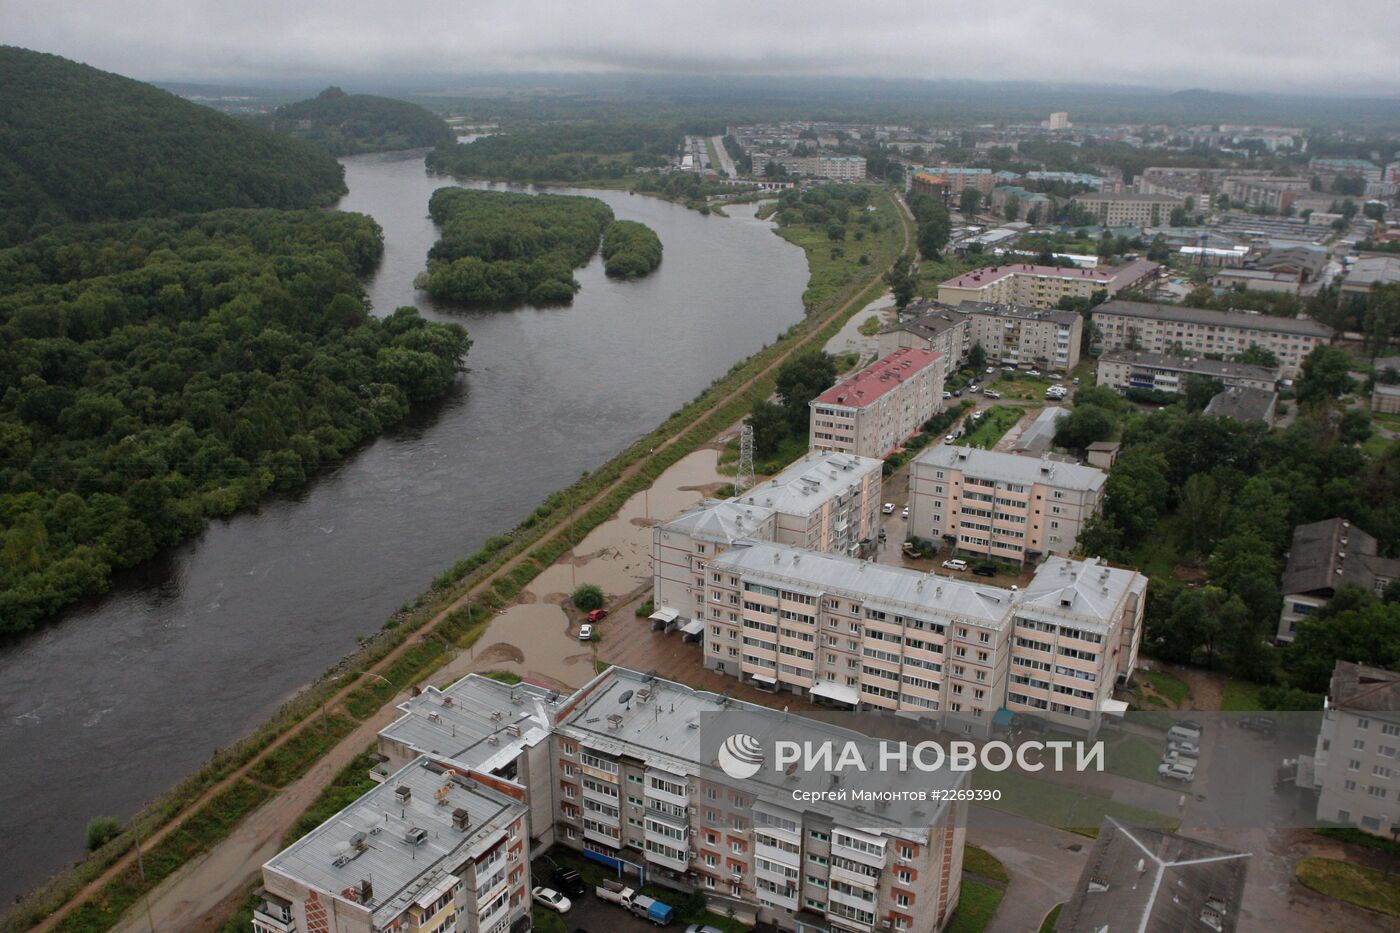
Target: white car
pixel 991 393
pixel 956 563
pixel 947 394
pixel 1033 372
pixel 585 633
pixel 990 370
pixel 905 513
pixel 552 899
pixel 888 508
pixel 1179 771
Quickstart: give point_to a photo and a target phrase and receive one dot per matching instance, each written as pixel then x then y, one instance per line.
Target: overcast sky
pixel 1336 47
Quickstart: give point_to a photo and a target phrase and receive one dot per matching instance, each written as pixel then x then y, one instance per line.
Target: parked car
pixel 957 392
pixel 991 393
pixel 956 563
pixel 585 632
pixel 597 615
pixel 985 570
pixel 947 394
pixel 990 370
pixel 950 438
pixel 909 550
pixel 1189 749
pixel 552 899
pixel 1262 724
pixel 700 928
pixel 1179 771
pixel 888 508
pixel 1032 372
pixel 1076 380
pixel 569 882
pixel 1171 758
pixel 904 514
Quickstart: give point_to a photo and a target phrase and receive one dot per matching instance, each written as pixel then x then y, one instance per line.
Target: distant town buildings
pixel 1358 749
pixel 1276 194
pixel 1122 325
pixel 873 411
pixel 1370 271
pixel 864 634
pixel 999 504
pixel 1058 121
pixel 1163 372
pixel 834 167
pixel 1139 210
pixel 1034 286
pixel 948 181
pixel 1324 556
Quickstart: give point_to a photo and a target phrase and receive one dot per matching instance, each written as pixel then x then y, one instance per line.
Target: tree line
pixel 161 372
pixel 630 249
pixel 587 151
pixel 344 124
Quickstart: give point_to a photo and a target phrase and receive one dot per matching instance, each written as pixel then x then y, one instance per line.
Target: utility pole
pixel 743 474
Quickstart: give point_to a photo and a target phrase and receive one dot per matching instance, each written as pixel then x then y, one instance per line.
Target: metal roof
pixel 1013 468
pixel 1245 319
pixel 808 484
pixel 478 722
pixel 720 520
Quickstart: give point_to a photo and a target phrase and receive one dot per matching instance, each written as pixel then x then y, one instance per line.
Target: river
pixel 105 709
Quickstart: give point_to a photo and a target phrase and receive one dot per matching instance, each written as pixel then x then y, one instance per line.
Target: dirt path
pixel 202 885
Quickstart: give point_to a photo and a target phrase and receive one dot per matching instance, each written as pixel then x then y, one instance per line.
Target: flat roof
pixel 808 484
pixel 1185 885
pixel 981 278
pixel 879 378
pixel 1063 318
pixel 1127 196
pixel 1013 468
pixel 1246 319
pixel 477 722
pixel 1188 364
pixel 898 588
pixel 1242 403
pixel 371 834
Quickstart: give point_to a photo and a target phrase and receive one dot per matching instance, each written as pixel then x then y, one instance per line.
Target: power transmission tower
pixel 743 476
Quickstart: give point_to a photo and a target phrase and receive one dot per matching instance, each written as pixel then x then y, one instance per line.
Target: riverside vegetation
pixel 500 248
pixel 345 124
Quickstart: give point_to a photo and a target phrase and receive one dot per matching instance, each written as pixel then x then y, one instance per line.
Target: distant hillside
pixel 348 123
pixel 81 144
pixel 1196 100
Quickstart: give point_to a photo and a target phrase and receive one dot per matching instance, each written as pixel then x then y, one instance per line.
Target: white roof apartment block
pixel 877 585
pixel 808 484
pixel 1087 594
pixel 477 722
pixel 404 837
pixel 1013 468
pixel 722 521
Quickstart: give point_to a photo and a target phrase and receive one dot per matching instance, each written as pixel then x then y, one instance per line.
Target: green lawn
pixel 1059 805
pixel 1355 884
pixel 1375 445
pixel 981 862
pixel 1131 756
pixel 995 422
pixel 1174 689
pixel 976 904
pixel 1048 924
pixel 870 326
pixel 1240 695
pixel 1157 557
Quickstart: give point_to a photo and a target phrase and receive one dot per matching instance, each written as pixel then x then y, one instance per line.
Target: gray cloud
pixel 1346 47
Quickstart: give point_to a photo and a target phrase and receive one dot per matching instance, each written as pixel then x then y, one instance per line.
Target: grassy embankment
pixel 203 809
pixel 1355 884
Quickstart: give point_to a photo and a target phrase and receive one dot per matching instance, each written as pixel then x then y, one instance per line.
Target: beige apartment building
pixel 1128 209
pixel 836 168
pixel 824 502
pixel 635 791
pixel 1356 765
pixel 1031 286
pixel 929 325
pixel 1275 193
pixel 1002 505
pixel 1137 325
pixel 1018 336
pixel 870 635
pixel 1142 369
pixel 435 848
pixel 871 413
pixel 682 547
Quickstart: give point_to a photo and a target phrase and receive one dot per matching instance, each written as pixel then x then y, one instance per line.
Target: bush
pixel 102 830
pixel 645 609
pixel 588 596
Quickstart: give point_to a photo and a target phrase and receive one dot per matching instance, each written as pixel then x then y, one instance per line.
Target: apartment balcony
pixel 263 921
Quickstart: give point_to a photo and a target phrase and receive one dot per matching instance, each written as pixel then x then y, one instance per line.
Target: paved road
pixel 726 164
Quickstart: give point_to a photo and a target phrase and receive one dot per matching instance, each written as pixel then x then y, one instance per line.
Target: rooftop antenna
pixel 743 475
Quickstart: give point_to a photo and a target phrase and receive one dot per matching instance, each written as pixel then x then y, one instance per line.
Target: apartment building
pixel 949 180
pixel 1142 369
pixel 874 636
pixel 870 413
pixel 1034 286
pixel 834 167
pixel 1356 765
pixel 1322 557
pixel 1012 335
pixel 1275 193
pixel 636 792
pixel 1001 505
pixel 434 848
pixel 826 501
pixel 1137 325
pixel 682 547
pixel 1128 208
pixel 929 325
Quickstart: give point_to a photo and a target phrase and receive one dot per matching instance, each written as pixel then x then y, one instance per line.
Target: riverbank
pixel 444 618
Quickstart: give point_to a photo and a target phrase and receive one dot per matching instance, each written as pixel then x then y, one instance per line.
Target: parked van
pixel 1180 733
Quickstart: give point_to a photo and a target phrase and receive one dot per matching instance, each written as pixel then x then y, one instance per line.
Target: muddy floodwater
pixel 103 710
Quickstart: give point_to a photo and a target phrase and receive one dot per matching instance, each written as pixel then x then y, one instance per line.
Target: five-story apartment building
pixel 873 411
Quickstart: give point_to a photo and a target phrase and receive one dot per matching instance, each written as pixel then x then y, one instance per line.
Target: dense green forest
pixel 159 372
pixel 344 124
pixel 500 248
pixel 560 152
pixel 1207 507
pixel 630 249
pixel 80 144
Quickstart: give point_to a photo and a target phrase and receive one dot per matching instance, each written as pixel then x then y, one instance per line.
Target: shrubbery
pixel 588 596
pixel 630 250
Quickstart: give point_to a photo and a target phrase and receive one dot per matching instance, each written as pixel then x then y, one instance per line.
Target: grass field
pixel 976 905
pixel 833 265
pixel 995 422
pixel 1239 695
pixel 1048 924
pixel 1059 805
pixel 1172 689
pixel 1354 884
pixel 981 862
pixel 1131 756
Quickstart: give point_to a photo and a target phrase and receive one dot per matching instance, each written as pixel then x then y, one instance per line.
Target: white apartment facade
pixel 634 790
pixel 1001 505
pixel 870 413
pixel 1128 208
pixel 836 168
pixel 1016 336
pixel 1142 369
pixel 873 636
pixel 1031 286
pixel 1356 764
pixel 825 501
pixel 1136 325
pixel 682 547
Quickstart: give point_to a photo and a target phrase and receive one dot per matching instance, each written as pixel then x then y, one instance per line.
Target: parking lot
pixel 593 915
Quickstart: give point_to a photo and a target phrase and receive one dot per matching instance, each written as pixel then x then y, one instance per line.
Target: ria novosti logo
pixel 741 756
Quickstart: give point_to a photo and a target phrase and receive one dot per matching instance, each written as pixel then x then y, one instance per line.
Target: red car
pixel 597 615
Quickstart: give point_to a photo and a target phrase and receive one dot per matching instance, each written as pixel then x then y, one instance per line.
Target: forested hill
pixel 79 144
pixel 344 124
